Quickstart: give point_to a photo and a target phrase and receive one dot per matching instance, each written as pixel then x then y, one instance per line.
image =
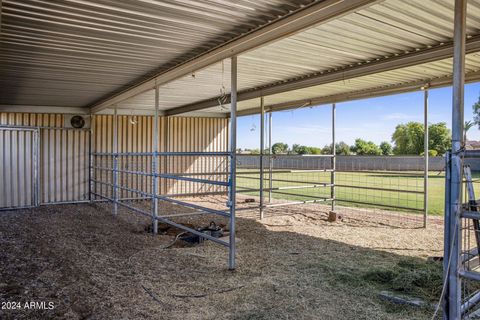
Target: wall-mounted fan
pixel 77 121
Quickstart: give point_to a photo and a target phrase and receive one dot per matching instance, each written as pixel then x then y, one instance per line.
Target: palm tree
pixel 468 125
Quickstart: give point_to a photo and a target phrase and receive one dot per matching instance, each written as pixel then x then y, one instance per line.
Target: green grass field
pixel 374 181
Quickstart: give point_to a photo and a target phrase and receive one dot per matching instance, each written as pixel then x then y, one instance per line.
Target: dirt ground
pixel 291 265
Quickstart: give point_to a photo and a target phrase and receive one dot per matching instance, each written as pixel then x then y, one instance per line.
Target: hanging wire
pixel 306 104
pixel 254 126
pixel 444 285
pixel 133 118
pixel 223 98
pixel 465 239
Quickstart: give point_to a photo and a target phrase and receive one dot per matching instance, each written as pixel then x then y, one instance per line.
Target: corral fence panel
pixel 380 188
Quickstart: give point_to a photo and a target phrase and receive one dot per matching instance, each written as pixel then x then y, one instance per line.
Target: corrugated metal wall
pixel 175 134
pixel 134 135
pixel 64 165
pixel 64 154
pixel 197 135
pixel 18 167
pixel 31 119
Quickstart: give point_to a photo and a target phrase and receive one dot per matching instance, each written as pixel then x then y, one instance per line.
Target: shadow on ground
pixel 92 265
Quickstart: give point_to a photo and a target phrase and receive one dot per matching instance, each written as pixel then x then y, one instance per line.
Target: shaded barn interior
pixel 134 105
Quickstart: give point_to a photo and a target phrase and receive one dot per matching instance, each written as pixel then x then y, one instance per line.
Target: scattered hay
pixel 411 276
pixel 293 264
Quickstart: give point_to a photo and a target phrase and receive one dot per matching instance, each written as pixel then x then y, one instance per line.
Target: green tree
pixel 468 125
pixel 302 150
pixel 327 149
pixel 342 148
pixel 431 153
pixel 279 148
pixel 476 112
pixel 408 138
pixel 439 138
pixel 296 148
pixel 386 148
pixel 362 147
pixel 315 150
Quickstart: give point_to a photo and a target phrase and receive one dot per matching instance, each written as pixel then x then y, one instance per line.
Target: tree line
pixel 408 139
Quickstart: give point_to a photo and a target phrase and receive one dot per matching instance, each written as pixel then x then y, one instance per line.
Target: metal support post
pixel 115 161
pixel 90 163
pixel 425 156
pixel 262 147
pixel 453 212
pixel 446 235
pixel 166 148
pixel 270 159
pixel 36 167
pixel 334 157
pixel 155 164
pixel 233 162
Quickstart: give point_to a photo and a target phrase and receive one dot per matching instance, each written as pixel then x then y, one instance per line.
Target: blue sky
pixel 370 119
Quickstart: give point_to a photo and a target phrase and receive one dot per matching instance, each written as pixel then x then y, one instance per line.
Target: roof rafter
pixel 363 94
pixel 406 60
pixel 315 14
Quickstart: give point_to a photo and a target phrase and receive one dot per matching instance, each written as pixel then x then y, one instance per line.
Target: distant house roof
pixel 472 145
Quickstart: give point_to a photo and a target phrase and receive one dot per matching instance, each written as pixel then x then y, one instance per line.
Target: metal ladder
pixel 470 211
pixel 471 206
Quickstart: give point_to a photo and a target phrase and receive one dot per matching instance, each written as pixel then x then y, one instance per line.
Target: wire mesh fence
pixel 392 194
pixel 292 178
pixel 384 191
pixel 387 192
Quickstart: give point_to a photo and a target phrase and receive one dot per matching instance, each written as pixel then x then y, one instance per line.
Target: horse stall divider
pixel 187 167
